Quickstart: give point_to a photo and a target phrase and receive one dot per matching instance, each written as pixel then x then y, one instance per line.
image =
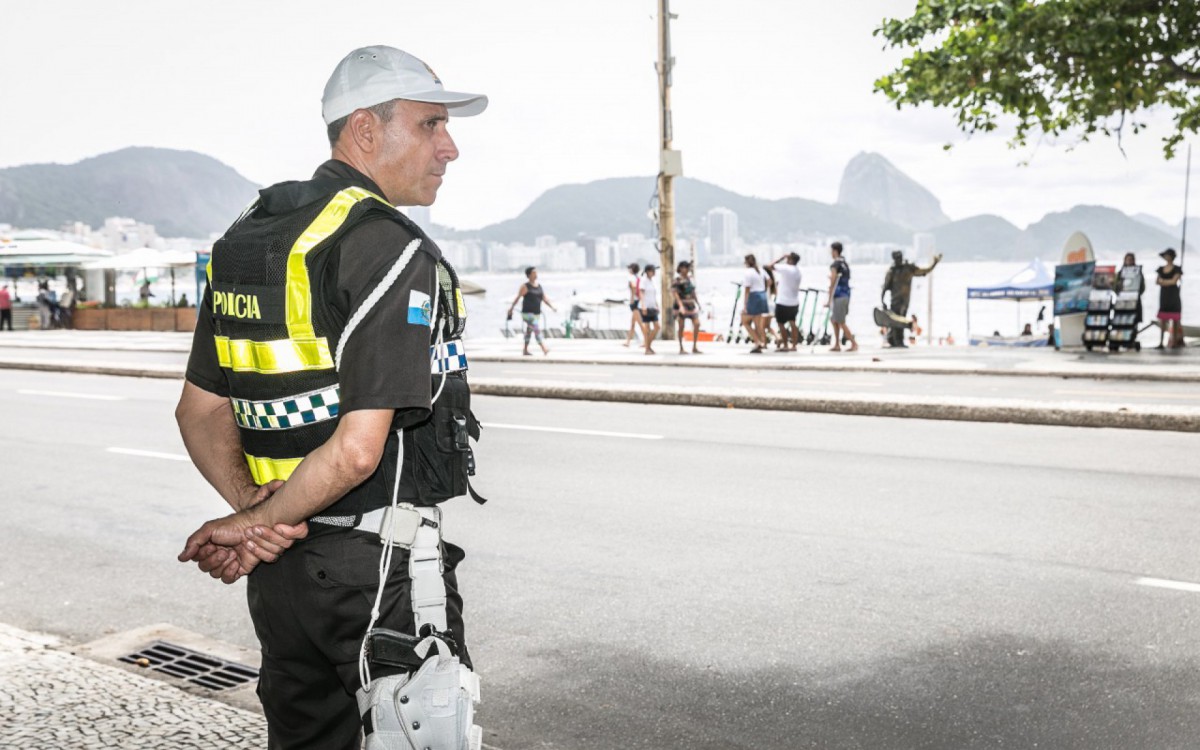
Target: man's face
pixel 414 150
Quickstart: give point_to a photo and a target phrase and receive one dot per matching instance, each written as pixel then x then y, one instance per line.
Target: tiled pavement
pixel 52 699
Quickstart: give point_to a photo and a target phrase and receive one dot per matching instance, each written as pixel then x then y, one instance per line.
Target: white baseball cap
pixel 373 75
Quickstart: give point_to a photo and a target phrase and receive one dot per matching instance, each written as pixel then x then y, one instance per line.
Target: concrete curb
pixel 965 410
pixel 1159 377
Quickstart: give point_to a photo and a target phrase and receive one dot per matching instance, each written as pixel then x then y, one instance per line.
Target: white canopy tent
pixel 145 258
pixel 42 249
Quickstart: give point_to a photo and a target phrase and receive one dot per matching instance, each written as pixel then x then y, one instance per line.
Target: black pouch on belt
pixel 437 452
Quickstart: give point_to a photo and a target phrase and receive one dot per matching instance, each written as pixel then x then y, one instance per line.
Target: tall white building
pixel 722 231
pixel 420 216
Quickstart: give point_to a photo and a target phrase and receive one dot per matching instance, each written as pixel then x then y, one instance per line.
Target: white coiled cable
pixel 385 557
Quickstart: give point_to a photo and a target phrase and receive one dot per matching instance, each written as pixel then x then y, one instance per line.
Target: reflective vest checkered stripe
pixel 285 413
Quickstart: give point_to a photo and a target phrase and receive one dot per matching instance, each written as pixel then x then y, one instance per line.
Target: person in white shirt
pixel 787 299
pixel 754 304
pixel 648 307
pixel 635 318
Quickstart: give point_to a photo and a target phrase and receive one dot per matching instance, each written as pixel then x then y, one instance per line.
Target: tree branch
pixel 1180 71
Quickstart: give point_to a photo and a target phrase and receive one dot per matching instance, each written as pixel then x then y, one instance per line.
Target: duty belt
pixel 419 530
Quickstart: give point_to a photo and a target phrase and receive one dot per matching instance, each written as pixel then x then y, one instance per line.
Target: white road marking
pixel 807 381
pixel 564 430
pixel 558 371
pixel 1133 394
pixel 149 454
pixel 1164 583
pixel 62 394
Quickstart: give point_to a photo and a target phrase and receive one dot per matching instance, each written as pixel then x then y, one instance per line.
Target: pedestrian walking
pixel 686 306
pixel 144 293
pixel 787 298
pixel 45 311
pixel 324 417
pixel 5 308
pixel 531 296
pixel 839 298
pixel 648 307
pixel 66 306
pixel 634 283
pixel 754 305
pixel 1170 304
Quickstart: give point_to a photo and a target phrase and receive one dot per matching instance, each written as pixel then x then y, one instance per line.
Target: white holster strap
pixel 419 530
pixel 428 588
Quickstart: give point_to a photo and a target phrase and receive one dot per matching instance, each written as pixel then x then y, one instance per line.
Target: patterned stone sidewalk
pixel 51 699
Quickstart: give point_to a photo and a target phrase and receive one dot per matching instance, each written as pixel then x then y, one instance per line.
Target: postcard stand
pixel 1124 330
pixel 1098 320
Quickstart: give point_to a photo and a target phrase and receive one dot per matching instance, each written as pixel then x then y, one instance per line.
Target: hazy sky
pixel 771 98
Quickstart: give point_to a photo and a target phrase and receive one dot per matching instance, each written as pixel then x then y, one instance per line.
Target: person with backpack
pixel 839 299
pixel 686 306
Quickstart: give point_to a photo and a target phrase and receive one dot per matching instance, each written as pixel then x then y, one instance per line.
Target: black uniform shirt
pixel 385 364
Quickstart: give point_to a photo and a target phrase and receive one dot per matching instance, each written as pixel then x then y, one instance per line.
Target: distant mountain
pixel 1153 221
pixel 984 237
pixel 182 193
pixel 1110 231
pixel 614 206
pixel 874 186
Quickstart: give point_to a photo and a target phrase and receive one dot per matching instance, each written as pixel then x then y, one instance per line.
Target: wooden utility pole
pixel 670 165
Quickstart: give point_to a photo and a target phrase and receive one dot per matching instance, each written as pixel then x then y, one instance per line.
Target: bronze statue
pixel 898 282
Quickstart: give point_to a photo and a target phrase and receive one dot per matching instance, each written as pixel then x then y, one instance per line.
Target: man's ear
pixel 364 127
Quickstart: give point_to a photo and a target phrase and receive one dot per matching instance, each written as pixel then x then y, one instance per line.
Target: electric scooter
pixel 729 339
pixel 812 318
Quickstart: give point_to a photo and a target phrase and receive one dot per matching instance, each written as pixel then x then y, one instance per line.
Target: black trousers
pixel 6 317
pixel 310 611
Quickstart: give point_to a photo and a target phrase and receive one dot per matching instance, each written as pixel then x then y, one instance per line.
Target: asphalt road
pixel 665 577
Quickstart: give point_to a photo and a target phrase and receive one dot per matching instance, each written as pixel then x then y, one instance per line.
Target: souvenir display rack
pixel 1098 319
pixel 1123 326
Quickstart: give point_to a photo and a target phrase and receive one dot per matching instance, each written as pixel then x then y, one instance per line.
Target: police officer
pixel 294 420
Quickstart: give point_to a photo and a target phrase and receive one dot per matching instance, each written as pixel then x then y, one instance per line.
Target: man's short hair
pixel 634 267
pixel 836 247
pixel 794 258
pixel 529 271
pixel 383 110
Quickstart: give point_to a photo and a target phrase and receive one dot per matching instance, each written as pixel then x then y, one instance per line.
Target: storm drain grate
pixel 193 666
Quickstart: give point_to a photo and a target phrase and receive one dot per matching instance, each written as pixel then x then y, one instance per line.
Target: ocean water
pixel 716 291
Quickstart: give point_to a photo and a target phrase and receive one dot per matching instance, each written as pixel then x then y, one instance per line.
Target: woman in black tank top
pixel 532 296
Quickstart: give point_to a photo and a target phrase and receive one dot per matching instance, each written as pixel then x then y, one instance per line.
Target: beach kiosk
pixel 1033 282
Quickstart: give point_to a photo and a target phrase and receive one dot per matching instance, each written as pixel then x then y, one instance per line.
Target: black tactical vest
pixel 276 338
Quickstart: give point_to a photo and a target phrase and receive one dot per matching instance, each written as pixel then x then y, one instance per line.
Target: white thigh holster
pixel 430 709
